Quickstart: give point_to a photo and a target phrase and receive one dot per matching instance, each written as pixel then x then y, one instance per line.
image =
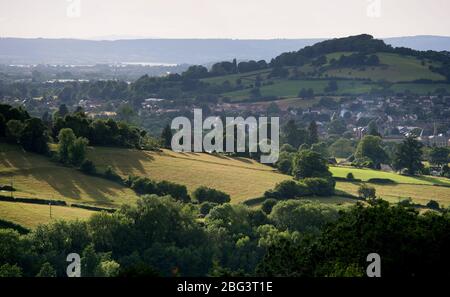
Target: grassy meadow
pixel 31 215
pixel 240 177
pixel 35 176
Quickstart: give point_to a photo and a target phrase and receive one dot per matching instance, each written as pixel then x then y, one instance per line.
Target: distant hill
pixel 178 51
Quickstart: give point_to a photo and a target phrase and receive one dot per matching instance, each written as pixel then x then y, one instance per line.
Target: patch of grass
pixel 366 174
pixel 35 176
pixel 419 193
pixel 241 178
pixel 30 215
pixel 393 68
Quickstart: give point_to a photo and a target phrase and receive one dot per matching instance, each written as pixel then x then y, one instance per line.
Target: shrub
pixel 366 192
pixel 268 205
pixel 433 205
pixel 385 181
pixel 203 194
pixel 288 189
pixel 320 186
pixel 88 167
pixel 206 207
pixel 311 186
pixel 350 176
pixel 143 185
pixel 112 175
pixel 177 191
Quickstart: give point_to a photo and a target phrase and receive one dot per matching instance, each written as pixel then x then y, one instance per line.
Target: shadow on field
pixel 67 182
pixel 124 161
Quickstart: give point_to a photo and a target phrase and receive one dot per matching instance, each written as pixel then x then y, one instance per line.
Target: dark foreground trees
pixel 162 236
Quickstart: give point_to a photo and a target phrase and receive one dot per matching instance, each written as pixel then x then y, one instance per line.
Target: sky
pixel 238 19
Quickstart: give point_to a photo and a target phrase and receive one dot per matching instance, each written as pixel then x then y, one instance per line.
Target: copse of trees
pixel 408 156
pixel 370 148
pixel 203 194
pixel 71 149
pixel 342 246
pixel 308 163
pixel 146 186
pixel 102 132
pixel 19 128
pixel 297 238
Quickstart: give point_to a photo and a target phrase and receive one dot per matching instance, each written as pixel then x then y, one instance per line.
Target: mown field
pixel 30 215
pixel 35 176
pixel 393 68
pixel 241 178
pixel 366 174
pixel 420 189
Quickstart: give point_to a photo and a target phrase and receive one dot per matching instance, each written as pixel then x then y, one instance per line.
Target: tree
pixel 166 135
pixel 439 156
pixel 88 167
pixel 203 194
pixel 370 147
pixel 313 134
pixel 321 148
pixel 268 205
pixel 310 164
pixel 342 148
pixel 66 139
pixel 125 113
pixel 77 151
pixel 331 87
pixel 62 111
pixel 2 125
pixel 408 155
pixel 14 130
pixel 337 127
pixel 33 137
pixel 8 270
pixel 293 135
pixel 47 270
pixel 366 192
pixel 373 129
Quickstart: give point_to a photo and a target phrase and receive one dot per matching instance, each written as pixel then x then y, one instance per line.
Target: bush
pixel 384 181
pixel 142 185
pixel 366 192
pixel 7 188
pixel 177 191
pixel 112 175
pixel 433 205
pixel 312 186
pixel 268 205
pixel 88 167
pixel 320 186
pixel 203 194
pixel 288 189
pixel 206 207
pixel 350 176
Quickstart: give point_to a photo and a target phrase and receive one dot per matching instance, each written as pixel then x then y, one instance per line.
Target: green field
pixel 365 174
pixel 241 178
pixel 30 215
pixel 393 68
pixel 35 176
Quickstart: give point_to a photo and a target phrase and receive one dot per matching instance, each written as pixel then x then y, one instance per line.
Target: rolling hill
pixel 35 176
pixel 358 64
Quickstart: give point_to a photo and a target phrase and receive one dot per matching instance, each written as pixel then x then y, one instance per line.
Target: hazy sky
pixel 222 18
